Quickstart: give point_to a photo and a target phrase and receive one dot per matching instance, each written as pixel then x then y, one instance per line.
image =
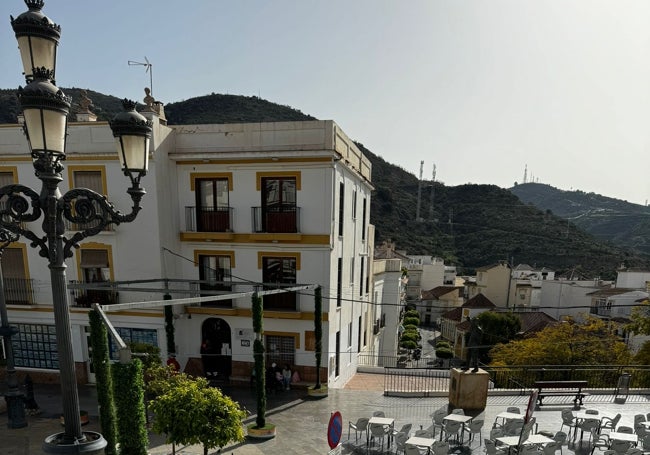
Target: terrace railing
pixel 520 379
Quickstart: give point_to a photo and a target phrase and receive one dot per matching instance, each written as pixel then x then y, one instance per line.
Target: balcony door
pixel 212 205
pixel 214 273
pixel 95 268
pixel 279 204
pixel 278 273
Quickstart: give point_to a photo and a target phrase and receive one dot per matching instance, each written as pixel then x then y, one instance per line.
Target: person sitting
pixel 286 377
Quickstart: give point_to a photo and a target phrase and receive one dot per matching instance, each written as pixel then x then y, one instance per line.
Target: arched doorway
pixel 216 349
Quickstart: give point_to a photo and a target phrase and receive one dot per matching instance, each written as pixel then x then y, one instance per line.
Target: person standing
pixel 286 377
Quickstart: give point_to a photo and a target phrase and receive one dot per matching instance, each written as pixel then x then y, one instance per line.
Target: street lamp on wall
pixel 45 109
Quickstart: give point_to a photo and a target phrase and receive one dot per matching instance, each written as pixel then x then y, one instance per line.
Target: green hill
pixel 470 225
pixel 613 220
pixel 476 225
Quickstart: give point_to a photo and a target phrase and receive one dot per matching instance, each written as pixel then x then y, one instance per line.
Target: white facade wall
pixel 151 247
pixel 562 298
pixel 632 279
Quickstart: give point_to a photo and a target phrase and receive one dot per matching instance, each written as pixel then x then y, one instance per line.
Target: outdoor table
pixel 506 416
pixel 513 441
pixel 463 419
pixel 384 421
pixel 629 437
pixel 421 442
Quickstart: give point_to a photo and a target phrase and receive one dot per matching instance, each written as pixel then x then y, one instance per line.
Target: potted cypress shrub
pixel 261 429
pixel 319 390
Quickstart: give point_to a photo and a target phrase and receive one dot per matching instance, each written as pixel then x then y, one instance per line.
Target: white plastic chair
pixel 492 449
pixel 450 429
pixel 438 422
pixel 378 431
pixel 474 428
pixel 620 447
pixel 609 423
pixel 552 447
pixel 406 428
pixel 360 426
pixel 400 442
pixel 440 448
pixel 569 420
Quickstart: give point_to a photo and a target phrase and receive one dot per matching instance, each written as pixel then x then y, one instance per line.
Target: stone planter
pixel 94 444
pixel 317 393
pixel 268 432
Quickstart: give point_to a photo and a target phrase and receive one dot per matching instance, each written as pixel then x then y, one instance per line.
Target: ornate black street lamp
pixel 45 109
pixel 13 396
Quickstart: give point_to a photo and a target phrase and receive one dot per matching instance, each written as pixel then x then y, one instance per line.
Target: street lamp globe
pixel 132 132
pixel 45 108
pixel 38 38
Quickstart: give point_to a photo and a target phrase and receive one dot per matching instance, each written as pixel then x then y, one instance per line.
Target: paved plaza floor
pixel 302 423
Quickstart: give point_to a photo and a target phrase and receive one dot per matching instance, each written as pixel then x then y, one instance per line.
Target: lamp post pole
pixel 45 109
pixel 13 395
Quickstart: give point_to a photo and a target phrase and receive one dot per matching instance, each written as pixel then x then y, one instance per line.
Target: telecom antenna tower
pixel 417 210
pixel 433 192
pixel 526 174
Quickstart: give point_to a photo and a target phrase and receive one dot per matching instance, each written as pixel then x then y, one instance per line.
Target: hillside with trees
pixel 467 225
pixel 608 219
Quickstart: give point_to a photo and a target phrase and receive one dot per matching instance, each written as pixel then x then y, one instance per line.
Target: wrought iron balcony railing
pixel 19 291
pixel 86 297
pixel 283 218
pixel 208 219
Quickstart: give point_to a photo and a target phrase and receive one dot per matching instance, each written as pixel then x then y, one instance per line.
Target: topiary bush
pixel 411 321
pixel 408 344
pixel 412 314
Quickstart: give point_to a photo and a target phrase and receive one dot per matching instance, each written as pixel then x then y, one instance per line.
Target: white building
pixel 240 207
pixel 569 298
pixel 526 286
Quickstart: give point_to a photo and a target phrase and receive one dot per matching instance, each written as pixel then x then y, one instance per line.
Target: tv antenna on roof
pixel 149 69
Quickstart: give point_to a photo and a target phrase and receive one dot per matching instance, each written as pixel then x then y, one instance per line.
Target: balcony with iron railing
pixel 602 311
pixel 19 291
pixel 284 218
pixel 86 297
pixel 208 219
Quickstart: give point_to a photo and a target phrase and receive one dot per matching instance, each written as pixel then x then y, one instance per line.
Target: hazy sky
pixel 480 88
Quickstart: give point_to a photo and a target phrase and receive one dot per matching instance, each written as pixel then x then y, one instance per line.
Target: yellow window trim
pixel 277 254
pixel 296 174
pixel 210 175
pixel 13 170
pixel 101 169
pixel 95 246
pixel 296 336
pixel 198 253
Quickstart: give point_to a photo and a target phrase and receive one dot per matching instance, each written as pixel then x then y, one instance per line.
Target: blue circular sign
pixel 334 429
